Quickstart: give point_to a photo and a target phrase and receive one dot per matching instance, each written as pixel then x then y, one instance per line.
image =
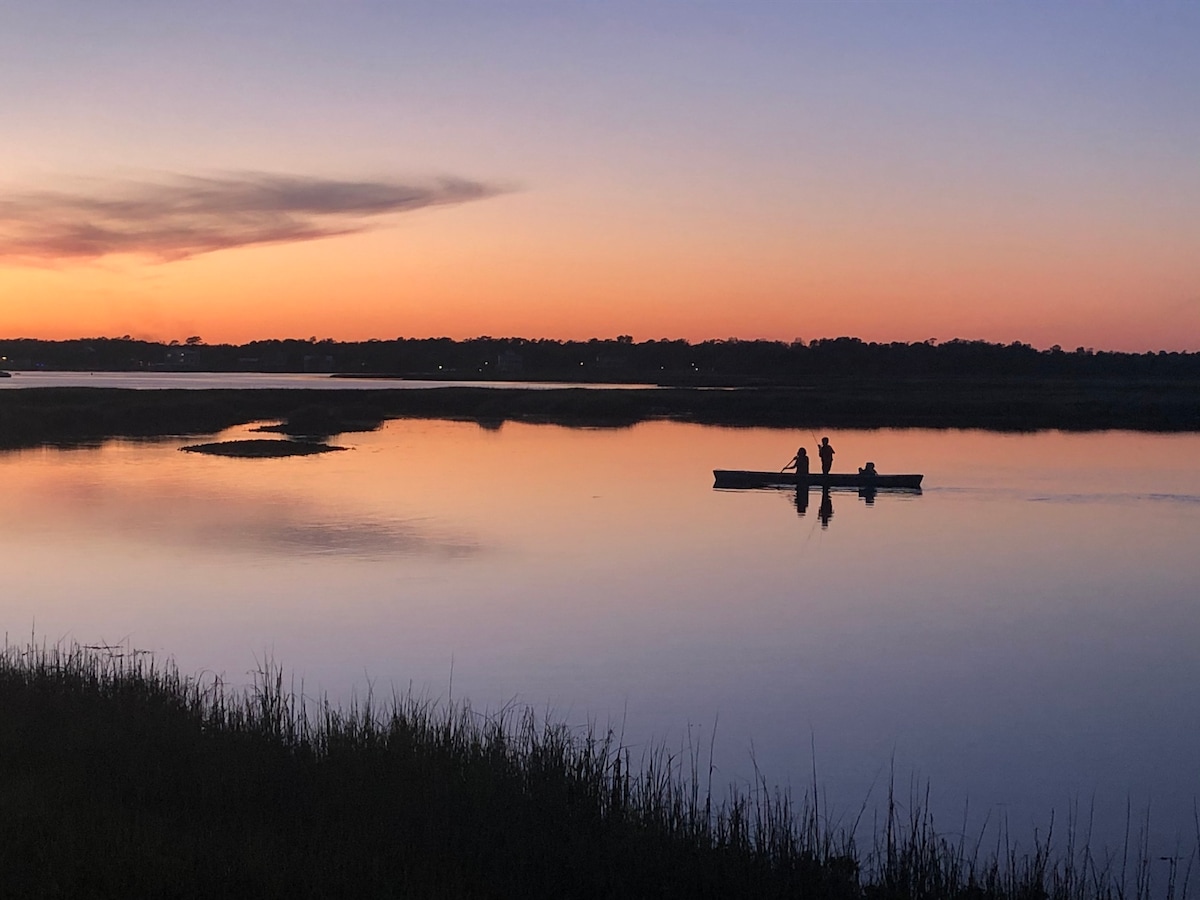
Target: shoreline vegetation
pixel 716 363
pixel 31 417
pixel 123 777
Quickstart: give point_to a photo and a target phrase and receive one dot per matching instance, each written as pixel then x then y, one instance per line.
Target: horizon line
pixel 196 341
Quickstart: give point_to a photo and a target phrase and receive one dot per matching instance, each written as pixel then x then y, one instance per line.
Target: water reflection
pixel 800 499
pixel 825 513
pixel 269 381
pixel 1020 635
pixel 252 520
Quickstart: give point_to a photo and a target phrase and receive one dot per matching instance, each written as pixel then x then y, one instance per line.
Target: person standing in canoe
pixel 799 462
pixel 825 451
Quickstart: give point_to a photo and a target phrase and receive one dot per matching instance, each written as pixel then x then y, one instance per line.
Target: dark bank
pixel 34 416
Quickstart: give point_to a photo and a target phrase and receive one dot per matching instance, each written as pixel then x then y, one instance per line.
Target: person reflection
pixel 825 513
pixel 801 499
pixel 868 494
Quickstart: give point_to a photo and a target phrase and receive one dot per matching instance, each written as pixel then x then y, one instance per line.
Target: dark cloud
pixel 181 216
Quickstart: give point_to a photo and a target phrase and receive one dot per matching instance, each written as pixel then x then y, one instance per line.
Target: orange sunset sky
pixel 895 171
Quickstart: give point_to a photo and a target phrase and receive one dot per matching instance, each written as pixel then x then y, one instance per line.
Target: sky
pixel 888 170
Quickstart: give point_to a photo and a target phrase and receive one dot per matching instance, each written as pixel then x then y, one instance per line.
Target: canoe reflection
pixel 798 494
pixel 824 511
pixel 800 499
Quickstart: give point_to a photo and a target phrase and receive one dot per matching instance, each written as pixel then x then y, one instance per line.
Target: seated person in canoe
pixel 799 462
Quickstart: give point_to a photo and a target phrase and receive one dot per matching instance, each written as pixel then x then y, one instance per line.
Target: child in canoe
pixel 799 462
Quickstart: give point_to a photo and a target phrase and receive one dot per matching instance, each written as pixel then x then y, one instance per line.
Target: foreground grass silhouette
pixel 121 777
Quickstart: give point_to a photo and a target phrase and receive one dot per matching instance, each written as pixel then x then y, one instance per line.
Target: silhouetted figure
pixel 868 469
pixel 868 494
pixel 825 451
pixel 801 499
pixel 799 462
pixel 825 513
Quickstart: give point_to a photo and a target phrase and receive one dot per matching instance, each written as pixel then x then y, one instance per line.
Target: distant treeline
pixel 617 360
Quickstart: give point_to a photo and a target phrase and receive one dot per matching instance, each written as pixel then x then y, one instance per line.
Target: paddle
pixel 792 462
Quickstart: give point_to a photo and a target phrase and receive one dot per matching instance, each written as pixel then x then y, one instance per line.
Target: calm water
pixel 1022 635
pixel 200 381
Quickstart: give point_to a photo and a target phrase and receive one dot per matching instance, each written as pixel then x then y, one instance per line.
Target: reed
pixel 121 776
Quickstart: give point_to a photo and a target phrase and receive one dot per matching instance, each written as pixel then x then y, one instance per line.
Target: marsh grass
pixel 119 776
pixel 34 416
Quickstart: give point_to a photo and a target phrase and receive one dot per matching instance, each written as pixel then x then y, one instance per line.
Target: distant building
pixel 315 362
pixel 177 359
pixel 510 363
pixel 611 364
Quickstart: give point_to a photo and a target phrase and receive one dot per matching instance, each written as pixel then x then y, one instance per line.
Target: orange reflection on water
pixel 597 571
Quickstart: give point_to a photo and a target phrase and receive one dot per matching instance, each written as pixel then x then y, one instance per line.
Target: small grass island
pixel 261 448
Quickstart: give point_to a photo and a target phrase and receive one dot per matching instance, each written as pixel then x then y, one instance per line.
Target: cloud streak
pixel 182 216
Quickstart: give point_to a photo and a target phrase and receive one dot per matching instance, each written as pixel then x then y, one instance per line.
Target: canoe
pixel 736 478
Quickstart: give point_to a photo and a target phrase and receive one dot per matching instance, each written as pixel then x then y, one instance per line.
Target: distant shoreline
pixel 35 416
